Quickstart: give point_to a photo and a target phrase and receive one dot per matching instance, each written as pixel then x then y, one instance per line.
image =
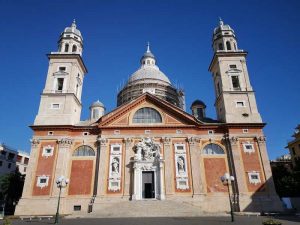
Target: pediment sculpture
pixel 147 150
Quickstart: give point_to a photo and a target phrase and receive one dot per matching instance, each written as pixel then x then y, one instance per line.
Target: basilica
pixel 150 147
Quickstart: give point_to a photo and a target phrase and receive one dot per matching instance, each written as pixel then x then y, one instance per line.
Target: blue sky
pixel 115 35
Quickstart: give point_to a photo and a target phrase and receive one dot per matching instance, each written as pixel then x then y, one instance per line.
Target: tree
pixel 11 186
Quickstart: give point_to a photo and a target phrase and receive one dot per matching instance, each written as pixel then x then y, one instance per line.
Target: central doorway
pixel 148 184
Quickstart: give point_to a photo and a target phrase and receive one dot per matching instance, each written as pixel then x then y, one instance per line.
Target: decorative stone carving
pixel 65 142
pixel 260 139
pixel 34 142
pixel 114 183
pixel 166 140
pixel 181 166
pixel 233 140
pixel 147 150
pixel 102 141
pixel 128 141
pixel 193 140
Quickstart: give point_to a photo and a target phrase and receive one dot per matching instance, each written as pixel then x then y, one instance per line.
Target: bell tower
pixel 235 99
pixel 61 98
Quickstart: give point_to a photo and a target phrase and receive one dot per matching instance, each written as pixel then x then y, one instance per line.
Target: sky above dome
pixel 115 35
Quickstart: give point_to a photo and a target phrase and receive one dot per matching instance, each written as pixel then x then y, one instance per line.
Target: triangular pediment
pixel 171 115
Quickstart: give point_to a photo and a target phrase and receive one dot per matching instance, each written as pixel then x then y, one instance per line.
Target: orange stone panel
pixel 81 177
pixel 44 167
pixel 214 169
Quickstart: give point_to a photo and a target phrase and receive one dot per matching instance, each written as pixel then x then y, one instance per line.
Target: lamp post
pixel 60 182
pixel 226 180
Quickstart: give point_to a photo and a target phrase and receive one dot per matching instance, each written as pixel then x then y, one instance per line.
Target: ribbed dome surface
pixel 149 73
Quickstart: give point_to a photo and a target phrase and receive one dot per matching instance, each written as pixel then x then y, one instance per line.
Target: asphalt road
pixel 241 220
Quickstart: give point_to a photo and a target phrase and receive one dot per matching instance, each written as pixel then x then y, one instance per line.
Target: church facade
pixel 148 147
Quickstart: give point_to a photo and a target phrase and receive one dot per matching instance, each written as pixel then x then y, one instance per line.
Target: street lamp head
pixel 232 178
pixel 67 181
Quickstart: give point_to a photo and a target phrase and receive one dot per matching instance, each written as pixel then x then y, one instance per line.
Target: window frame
pixel 204 152
pixel 254 180
pixel 149 116
pixel 83 149
pixel 252 150
pixel 40 184
pixel 47 154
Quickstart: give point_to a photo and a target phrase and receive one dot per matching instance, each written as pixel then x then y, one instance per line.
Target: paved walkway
pixel 240 220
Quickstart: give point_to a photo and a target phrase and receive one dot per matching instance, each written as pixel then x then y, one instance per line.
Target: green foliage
pixel 11 186
pixel 287 181
pixel 270 222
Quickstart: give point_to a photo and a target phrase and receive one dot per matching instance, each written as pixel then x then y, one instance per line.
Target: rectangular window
pixel 147 131
pixel 55 106
pixel 9 165
pixel 248 148
pixel 293 151
pixel 24 170
pixel 43 180
pixel 19 158
pixel 50 133
pixel 26 160
pixel 232 66
pixel 178 131
pixel 77 207
pixel 245 131
pixel 235 82
pixel 60 84
pixel 210 132
pixel 62 68
pixel 117 132
pixel 240 104
pixel 254 177
pixel 11 156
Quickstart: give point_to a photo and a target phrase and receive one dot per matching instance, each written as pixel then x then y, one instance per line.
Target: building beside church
pixel 149 146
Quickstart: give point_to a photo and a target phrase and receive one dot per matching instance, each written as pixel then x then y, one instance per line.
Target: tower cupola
pixel 148 59
pixel 198 109
pixel 97 110
pixel 70 41
pixel 224 38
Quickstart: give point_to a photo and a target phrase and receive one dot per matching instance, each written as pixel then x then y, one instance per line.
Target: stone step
pixel 145 208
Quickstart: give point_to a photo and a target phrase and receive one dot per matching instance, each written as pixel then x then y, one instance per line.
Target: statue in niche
pixel 146 149
pixel 115 166
pixel 180 165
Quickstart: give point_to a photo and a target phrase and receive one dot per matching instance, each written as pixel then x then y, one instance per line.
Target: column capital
pixel 65 142
pixel 128 141
pixel 260 139
pixel 34 142
pixel 166 140
pixel 232 139
pixel 102 141
pixel 193 140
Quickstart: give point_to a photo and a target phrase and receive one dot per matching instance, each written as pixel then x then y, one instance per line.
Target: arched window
pixel 66 47
pixel 228 45
pixel 147 115
pixel 84 150
pixel 74 48
pixel 213 149
pixel 220 46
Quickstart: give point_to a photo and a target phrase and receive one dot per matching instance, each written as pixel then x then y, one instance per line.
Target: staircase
pixel 147 208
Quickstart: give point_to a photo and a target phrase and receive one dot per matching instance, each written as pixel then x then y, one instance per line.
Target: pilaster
pixel 102 167
pixel 128 167
pixel 30 173
pixel 197 182
pixel 169 171
pixel 261 142
pixel 62 162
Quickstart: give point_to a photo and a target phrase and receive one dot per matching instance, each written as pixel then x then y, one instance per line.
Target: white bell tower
pixel 235 99
pixel 61 98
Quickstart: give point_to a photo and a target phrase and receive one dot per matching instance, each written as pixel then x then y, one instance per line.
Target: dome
pixel 73 29
pixel 147 73
pixel 199 103
pixel 97 104
pixel 222 27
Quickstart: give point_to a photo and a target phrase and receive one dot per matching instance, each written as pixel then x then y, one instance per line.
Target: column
pixel 128 168
pixel 30 173
pixel 195 161
pixel 161 179
pixel 169 169
pixel 102 183
pixel 62 162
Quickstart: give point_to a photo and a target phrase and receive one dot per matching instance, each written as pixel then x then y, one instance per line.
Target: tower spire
pixel 148 47
pixel 221 21
pixel 73 23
